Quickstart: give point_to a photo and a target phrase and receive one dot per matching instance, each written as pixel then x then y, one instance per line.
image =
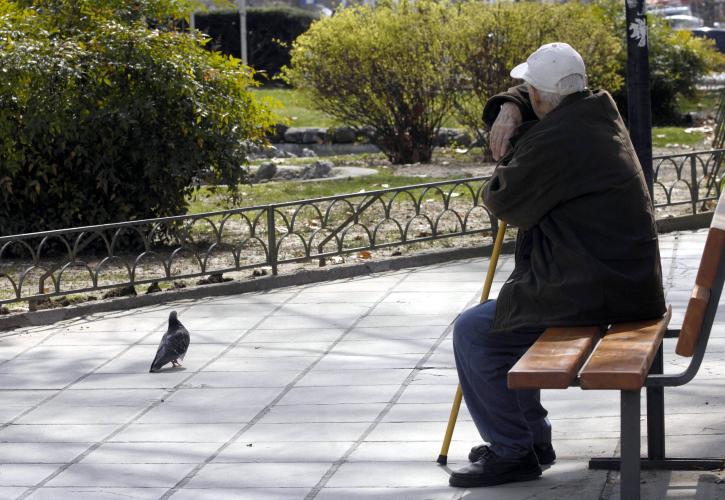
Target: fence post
pixel 271 239
pixel 694 187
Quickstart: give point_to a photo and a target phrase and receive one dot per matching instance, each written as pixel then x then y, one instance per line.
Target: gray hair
pixel 567 85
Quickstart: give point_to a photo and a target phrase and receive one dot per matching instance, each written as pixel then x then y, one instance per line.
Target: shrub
pixel 104 119
pixel 493 39
pixel 387 68
pixel 270 33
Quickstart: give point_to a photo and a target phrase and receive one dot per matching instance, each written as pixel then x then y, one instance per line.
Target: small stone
pixel 259 272
pixel 308 153
pixel 153 288
pixel 179 284
pixel 4 310
pixel 266 171
pixel 318 170
pixel 120 292
pixel 396 253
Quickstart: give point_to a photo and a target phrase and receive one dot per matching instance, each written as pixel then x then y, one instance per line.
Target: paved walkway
pixel 329 391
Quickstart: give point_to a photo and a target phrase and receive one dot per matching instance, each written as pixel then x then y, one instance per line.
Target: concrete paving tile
pixel 378 283
pixel 78 493
pixel 44 433
pixel 307 322
pixel 381 321
pixel 122 475
pixel 397 493
pixel 219 412
pixel 436 376
pixel 213 323
pixel 317 377
pixel 313 296
pixel 231 310
pixel 299 336
pixel 25 474
pixel 241 379
pixel 424 412
pixel 224 337
pixel 64 351
pixel 423 308
pixel 11 492
pixel 241 494
pixel 333 309
pixel 421 431
pixel 277 349
pixel 40 453
pixel 193 398
pixel 428 394
pixel 343 431
pixel 382 362
pixel 323 413
pixel 111 381
pixel 385 346
pixel 28 367
pixel 54 414
pixel 409 451
pixel 176 433
pixel 678 484
pixel 396 332
pixel 339 394
pixel 251 475
pixel 256 364
pixel 88 337
pixel 23 398
pixel 151 453
pixel 108 398
pixel 138 358
pixel 268 297
pixel 309 451
pixel 397 474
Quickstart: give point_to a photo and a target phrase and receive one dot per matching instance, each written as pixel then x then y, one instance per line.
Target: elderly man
pixel 586 252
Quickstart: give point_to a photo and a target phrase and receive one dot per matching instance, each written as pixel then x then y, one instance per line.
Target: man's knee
pixel 474 323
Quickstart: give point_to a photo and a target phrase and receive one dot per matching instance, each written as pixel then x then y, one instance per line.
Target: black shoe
pixel 491 470
pixel 544 452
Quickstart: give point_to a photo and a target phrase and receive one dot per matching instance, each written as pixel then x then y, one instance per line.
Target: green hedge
pixel 270 33
pixel 103 119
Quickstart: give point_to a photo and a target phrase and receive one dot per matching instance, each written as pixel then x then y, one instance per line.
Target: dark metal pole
pixel 639 110
pixel 630 434
pixel 656 413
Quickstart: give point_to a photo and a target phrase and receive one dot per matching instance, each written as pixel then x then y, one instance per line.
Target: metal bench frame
pixel 630 463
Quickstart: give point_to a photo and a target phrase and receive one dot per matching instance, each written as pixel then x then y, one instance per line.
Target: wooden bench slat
pixel 706 274
pixel 554 360
pixel 691 325
pixel 623 357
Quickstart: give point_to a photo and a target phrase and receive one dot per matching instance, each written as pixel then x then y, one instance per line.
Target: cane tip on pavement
pixel 442 459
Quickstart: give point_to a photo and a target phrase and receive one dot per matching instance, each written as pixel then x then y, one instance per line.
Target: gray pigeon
pixel 173 345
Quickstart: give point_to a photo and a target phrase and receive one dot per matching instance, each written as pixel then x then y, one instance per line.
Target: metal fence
pixel 79 260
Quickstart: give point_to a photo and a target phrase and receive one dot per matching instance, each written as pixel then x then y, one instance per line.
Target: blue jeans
pixel 510 421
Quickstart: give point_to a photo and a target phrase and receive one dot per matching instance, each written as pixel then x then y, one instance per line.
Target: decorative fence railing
pixel 79 260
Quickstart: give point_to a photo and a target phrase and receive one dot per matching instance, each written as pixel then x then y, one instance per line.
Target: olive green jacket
pixel 587 250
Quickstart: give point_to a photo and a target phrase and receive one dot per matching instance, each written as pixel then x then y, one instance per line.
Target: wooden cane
pixel 495 252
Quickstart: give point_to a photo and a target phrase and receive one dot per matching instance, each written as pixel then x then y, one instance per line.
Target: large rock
pixel 314 136
pixel 318 170
pixel 277 133
pixel 308 153
pixel 294 135
pixel 343 135
pixel 265 171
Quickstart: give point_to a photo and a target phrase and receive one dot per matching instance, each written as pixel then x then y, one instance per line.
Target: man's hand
pixel 508 120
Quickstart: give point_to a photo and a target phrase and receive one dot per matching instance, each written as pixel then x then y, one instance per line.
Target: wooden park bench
pixel 628 357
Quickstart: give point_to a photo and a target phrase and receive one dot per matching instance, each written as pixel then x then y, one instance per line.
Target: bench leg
pixel 630 435
pixel 656 414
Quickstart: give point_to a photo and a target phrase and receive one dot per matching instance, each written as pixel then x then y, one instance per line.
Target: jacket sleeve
pixel 528 187
pixel 518 95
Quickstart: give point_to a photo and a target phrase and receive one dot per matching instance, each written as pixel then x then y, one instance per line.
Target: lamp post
pixel 242 6
pixel 639 109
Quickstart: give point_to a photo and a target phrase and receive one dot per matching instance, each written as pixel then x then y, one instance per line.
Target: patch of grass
pixel 296 108
pixel 208 199
pixel 299 111
pixel 663 136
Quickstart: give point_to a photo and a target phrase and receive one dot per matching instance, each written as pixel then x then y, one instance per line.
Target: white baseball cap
pixel 545 68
